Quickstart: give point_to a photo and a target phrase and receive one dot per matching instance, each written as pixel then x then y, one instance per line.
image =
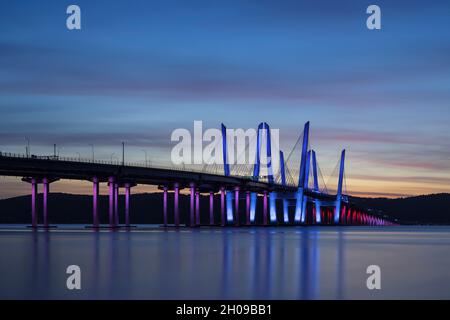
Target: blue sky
pixel 139 69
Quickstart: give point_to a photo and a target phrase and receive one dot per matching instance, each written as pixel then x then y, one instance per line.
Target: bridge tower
pixel 226 165
pixel 301 181
pixel 263 127
pixel 305 186
pixel 339 189
pixel 283 182
pixel 316 188
pixel 226 195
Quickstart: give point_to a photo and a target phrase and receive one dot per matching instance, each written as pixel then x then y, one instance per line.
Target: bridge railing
pixel 214 169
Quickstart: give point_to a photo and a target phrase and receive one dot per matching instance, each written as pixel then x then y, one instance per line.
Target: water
pixel 245 263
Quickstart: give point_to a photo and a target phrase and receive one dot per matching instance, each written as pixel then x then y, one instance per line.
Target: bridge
pixel 301 204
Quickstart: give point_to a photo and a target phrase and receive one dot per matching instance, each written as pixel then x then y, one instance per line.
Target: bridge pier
pixel 222 206
pixel 318 205
pixel 236 206
pixel 127 204
pixel 116 204
pixel 192 205
pixel 34 182
pixel 304 208
pixel 34 191
pixel 95 190
pixel 253 202
pixel 285 211
pixel 197 208
pixel 211 208
pixel 45 191
pixel 342 215
pixel 348 217
pixel 230 214
pixel 247 207
pixel 111 193
pixel 165 206
pixel 299 206
pixel 265 208
pixel 273 207
pixel 176 193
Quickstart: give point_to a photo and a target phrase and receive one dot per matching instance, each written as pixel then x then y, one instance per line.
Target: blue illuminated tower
pixel 339 189
pixel 301 180
pixel 256 169
pixel 283 182
pixel 316 187
pixel 226 165
pixel 226 169
pixel 305 186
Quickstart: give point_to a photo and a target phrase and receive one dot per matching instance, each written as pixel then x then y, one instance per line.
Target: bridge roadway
pixel 80 170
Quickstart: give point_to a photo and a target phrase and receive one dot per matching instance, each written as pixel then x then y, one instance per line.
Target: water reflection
pixel 247 263
pixel 253 264
pixel 340 266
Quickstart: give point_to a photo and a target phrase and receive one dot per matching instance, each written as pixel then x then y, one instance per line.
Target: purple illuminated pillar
pixel 236 205
pixel 192 204
pixel 116 204
pixel 222 206
pixel 165 206
pixel 34 191
pixel 45 198
pixel 176 192
pixel 127 204
pixel 95 201
pixel 247 207
pixel 111 202
pixel 197 208
pixel 211 207
pixel 265 208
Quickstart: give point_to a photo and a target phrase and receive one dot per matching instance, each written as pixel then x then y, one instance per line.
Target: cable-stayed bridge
pixel 302 201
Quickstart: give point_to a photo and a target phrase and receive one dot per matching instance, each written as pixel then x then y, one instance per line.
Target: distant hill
pixel 148 207
pixel 425 209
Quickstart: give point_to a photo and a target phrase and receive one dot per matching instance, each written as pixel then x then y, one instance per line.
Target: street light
pixel 79 156
pixel 92 146
pixel 112 155
pixel 145 151
pixel 123 153
pixel 27 148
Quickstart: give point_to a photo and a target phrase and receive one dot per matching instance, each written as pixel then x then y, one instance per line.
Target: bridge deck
pixel 80 170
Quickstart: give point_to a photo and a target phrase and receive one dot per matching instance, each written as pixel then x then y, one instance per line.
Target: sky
pixel 137 70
